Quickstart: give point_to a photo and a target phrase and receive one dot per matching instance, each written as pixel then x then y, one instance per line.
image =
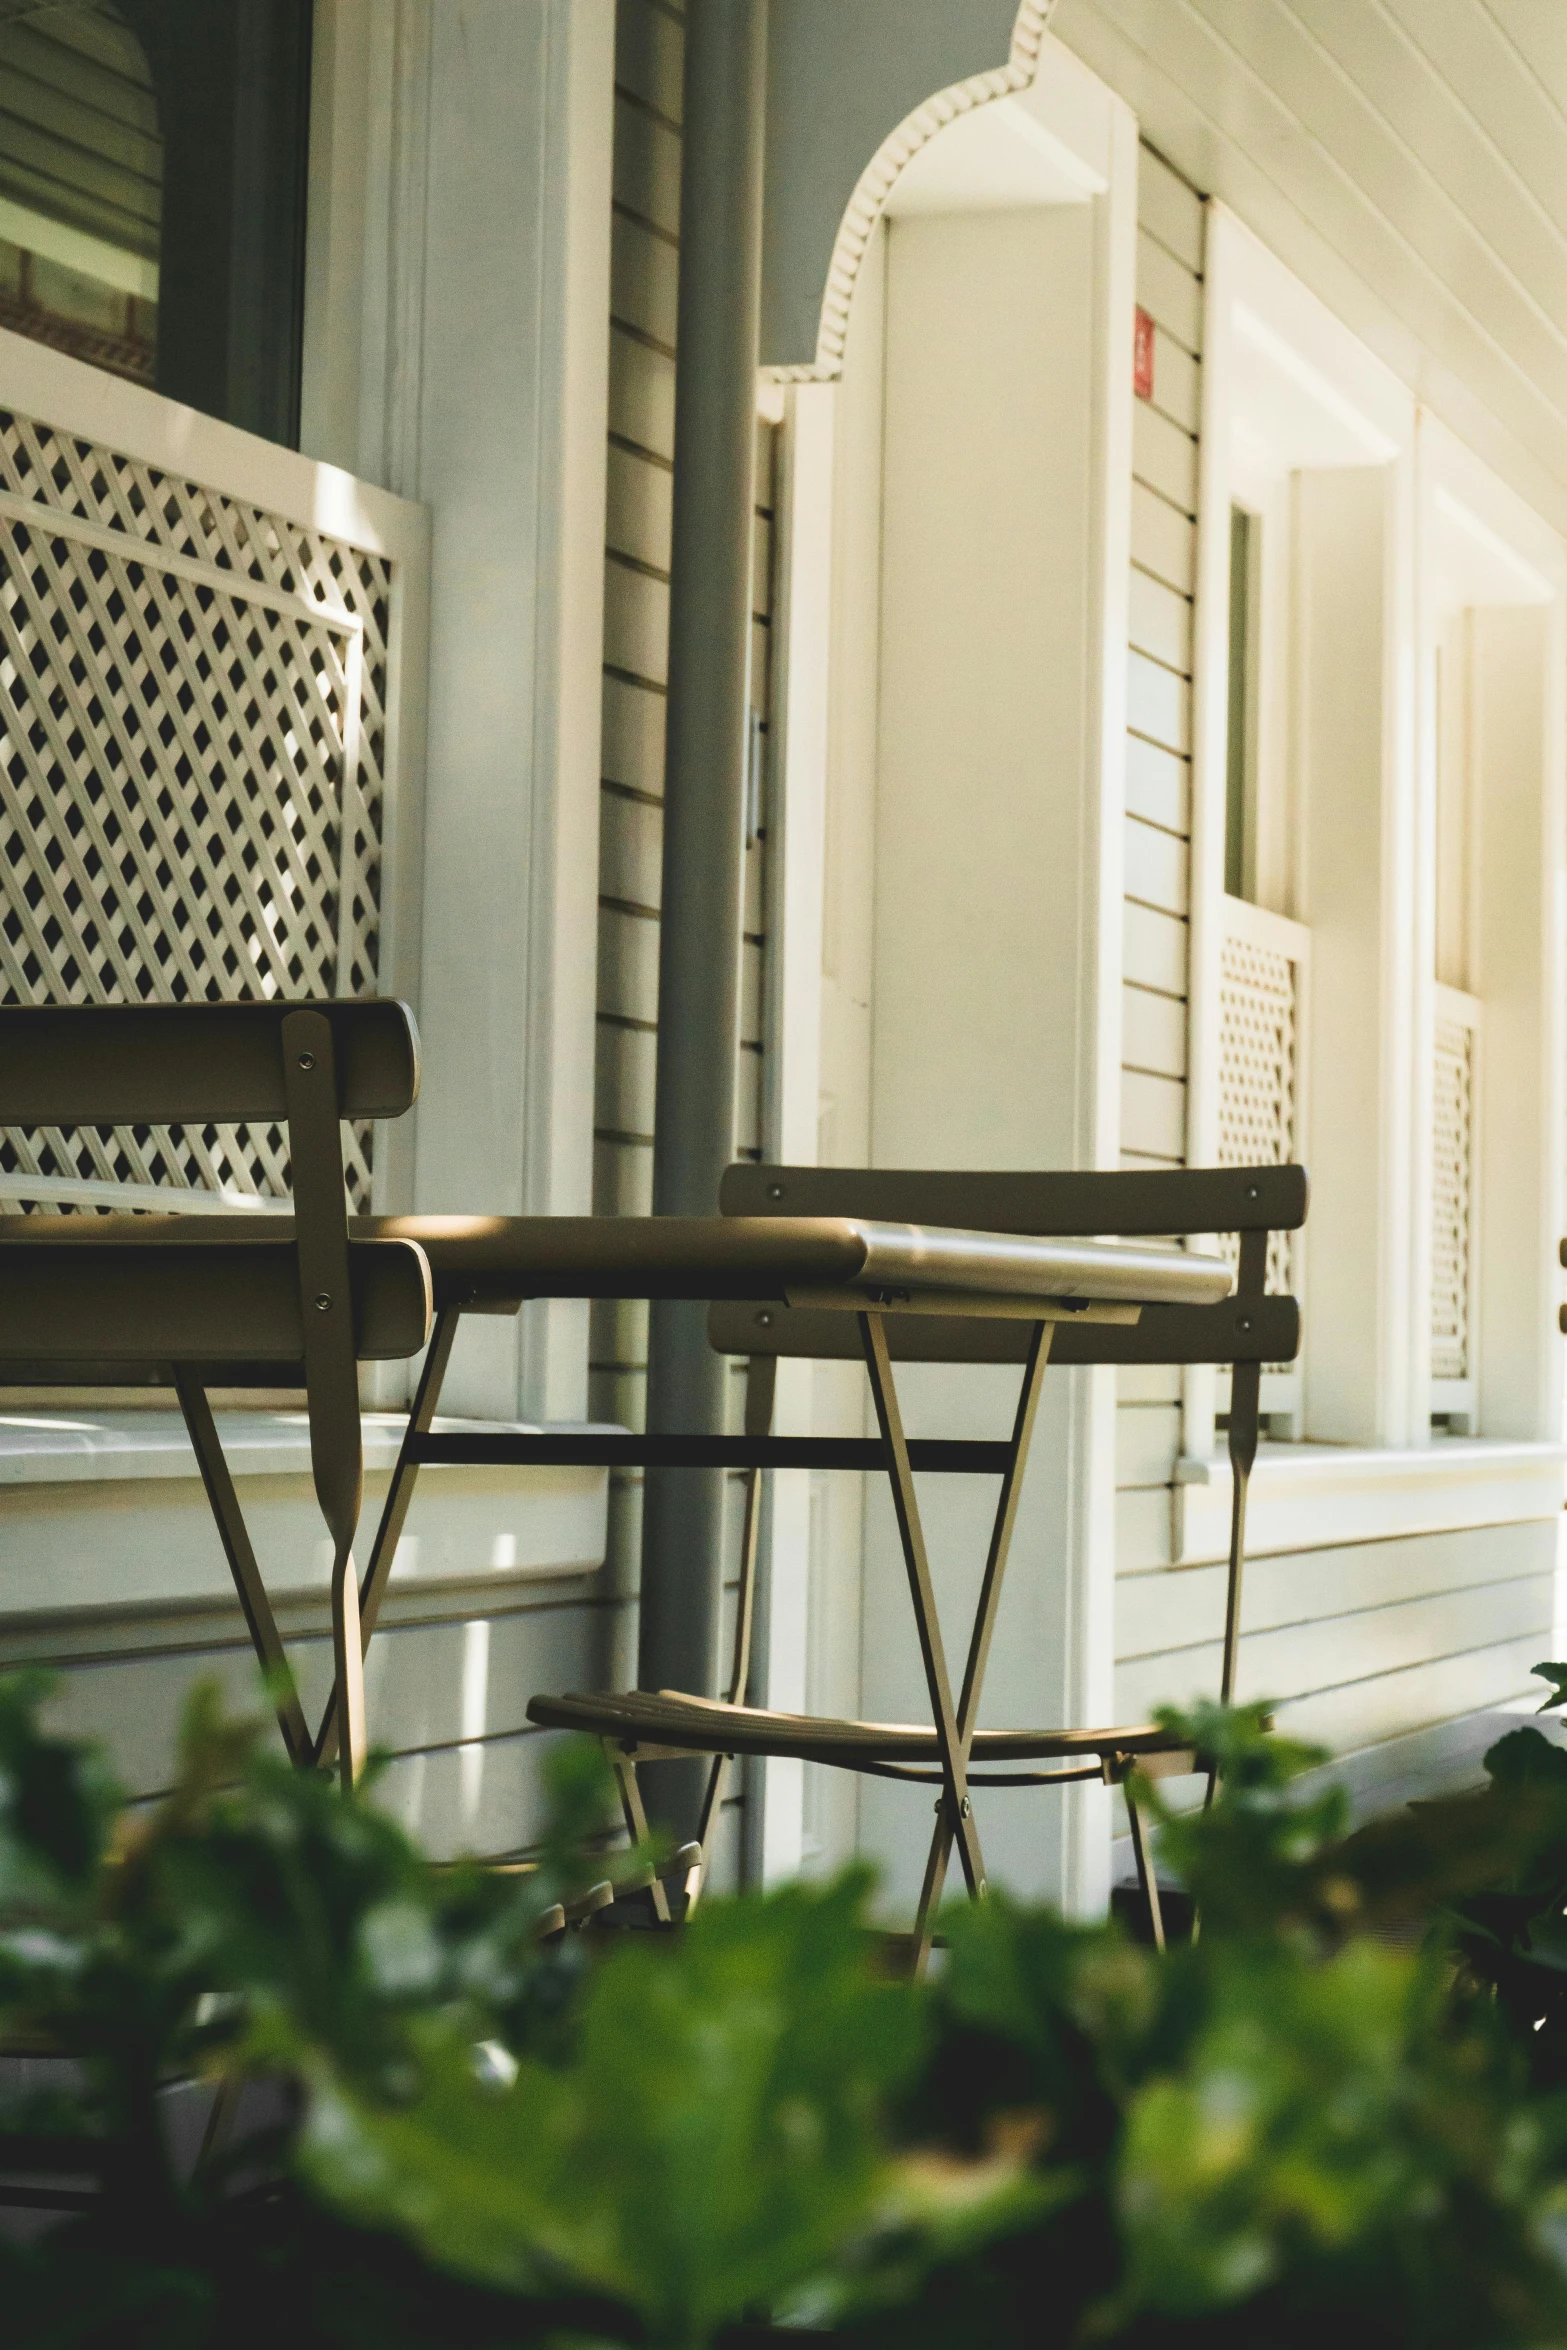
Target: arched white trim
pixel 880 176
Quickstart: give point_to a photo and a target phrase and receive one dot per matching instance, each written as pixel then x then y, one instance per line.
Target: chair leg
pixel 1147 1879
pixel 1245 1393
pixel 712 1801
pixel 394 1514
pixel 348 1655
pixel 635 1817
pixel 931 1891
pixel 922 1593
pixel 232 1532
pixel 984 1625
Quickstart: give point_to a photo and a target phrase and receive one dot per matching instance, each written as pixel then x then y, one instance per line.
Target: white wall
pixel 970 995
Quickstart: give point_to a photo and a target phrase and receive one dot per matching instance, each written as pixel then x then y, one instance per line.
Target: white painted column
pixel 1355 745
pixel 997 913
pixel 506 111
pixel 796 826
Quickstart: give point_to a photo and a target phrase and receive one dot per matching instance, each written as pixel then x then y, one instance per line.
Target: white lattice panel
pixel 192 765
pixel 1452 1159
pixel 1259 1024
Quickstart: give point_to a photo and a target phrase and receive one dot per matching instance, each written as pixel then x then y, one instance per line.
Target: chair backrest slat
pixel 197 1303
pixel 1235 1331
pixel 1168 1202
pixel 168 1064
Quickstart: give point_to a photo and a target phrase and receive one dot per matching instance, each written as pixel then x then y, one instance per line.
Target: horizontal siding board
pixel 1164 457
pixel 1147 1441
pixel 1153 1115
pixel 647 166
pixel 748 1105
pixel 623 1078
pixel 1164 539
pixel 622 1178
pixel 1159 621
pixel 617 1333
pixel 633 735
pixel 753 887
pixel 631 847
pixel 1169 209
pixel 1158 1613
pixel 642 395
pixel 637 508
pixel 751 984
pixel 1300 1661
pixel 1148 1383
pixel 627 964
pixel 1153 1032
pixel 413 1674
pixel 1158 704
pixel 1155 950
pixel 1170 292
pixel 619 1396
pixel 644 280
pixel 1177 382
pixel 1158 786
pixel 1362 1713
pixel 636 623
pixel 1157 867
pixel 1142 1527
pixel 648 56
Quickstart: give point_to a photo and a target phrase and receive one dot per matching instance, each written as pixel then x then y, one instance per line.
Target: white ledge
pixel 60 1448
pixel 1314 1496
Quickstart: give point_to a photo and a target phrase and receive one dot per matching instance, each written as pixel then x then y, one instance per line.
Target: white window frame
pixel 1331 405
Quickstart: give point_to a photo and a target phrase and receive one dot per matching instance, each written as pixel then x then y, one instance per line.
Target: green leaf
pixel 1287 2133
pixel 1556 1674
pixel 716 2138
pixel 1527 1758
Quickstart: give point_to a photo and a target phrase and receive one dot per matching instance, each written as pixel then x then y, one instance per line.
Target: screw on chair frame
pixel 309 1066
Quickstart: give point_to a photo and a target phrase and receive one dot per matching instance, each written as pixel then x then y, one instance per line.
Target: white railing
pixel 198 744
pixel 1455 1079
pixel 1264 962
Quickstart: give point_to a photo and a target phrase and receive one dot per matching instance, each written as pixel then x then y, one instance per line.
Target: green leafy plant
pixel 1330 2108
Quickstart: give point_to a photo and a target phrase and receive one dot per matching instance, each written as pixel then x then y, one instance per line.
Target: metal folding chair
pixel 196 1303
pixel 1244 1331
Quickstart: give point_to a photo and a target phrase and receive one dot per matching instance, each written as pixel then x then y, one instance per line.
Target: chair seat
pixel 640 1720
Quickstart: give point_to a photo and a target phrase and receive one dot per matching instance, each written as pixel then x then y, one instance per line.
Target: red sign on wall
pixel 1142 356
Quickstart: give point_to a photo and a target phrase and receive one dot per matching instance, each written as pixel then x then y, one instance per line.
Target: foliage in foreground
pixel 1341 2104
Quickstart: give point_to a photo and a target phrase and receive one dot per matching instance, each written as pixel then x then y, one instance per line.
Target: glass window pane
pixel 152 193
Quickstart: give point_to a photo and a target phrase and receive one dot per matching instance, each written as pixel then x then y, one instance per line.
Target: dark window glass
pixel 1240 796
pixel 152 193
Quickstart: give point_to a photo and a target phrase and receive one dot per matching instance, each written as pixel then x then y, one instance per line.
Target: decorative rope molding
pixel 880 176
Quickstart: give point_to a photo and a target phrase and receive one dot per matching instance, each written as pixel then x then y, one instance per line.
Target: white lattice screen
pixel 1259 1067
pixel 1452 1204
pixel 193 698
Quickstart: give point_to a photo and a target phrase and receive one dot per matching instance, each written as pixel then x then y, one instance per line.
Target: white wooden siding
pixel 1405 158
pixel 1361 1646
pixel 1158 799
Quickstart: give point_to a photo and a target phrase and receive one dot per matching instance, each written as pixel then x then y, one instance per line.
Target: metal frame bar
pixel 984 1628
pixel 1245 1394
pixel 958 1811
pixel 315 1142
pixel 955 1455
pixel 399 1496
pixel 761 1382
pixel 234 1535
